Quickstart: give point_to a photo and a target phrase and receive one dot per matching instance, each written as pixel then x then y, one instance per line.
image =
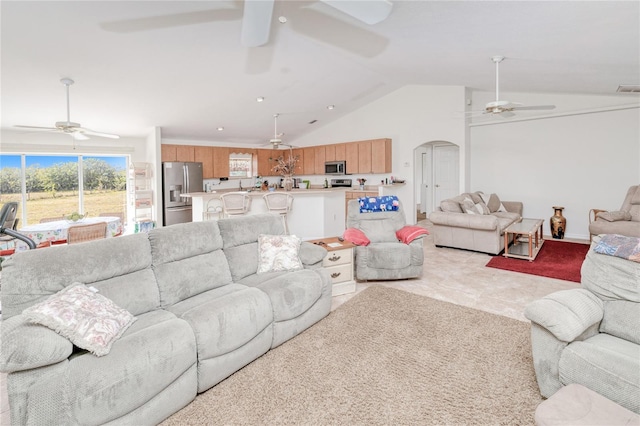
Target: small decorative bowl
pixel 75 217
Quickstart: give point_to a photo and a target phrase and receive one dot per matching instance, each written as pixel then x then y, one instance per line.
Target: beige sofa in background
pixel 480 230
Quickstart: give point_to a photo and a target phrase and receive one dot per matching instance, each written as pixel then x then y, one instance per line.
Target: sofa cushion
pixel 379 230
pixel 612 366
pixel 89 320
pixel 292 294
pixel 278 253
pixel 224 324
pixel 450 206
pixel 388 255
pixel 622 319
pixel 156 343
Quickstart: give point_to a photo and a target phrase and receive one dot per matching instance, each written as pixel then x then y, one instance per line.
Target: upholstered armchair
pixel 380 254
pixel 591 335
pixel 625 221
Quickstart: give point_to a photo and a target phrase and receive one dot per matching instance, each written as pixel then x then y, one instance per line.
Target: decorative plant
pixel 286 167
pixel 361 181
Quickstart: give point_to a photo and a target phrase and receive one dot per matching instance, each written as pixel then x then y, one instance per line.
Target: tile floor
pixel 455 276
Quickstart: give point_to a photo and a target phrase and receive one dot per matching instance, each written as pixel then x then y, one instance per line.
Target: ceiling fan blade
pixel 506 114
pixel 533 107
pixel 256 22
pixel 170 21
pixel 370 12
pixel 79 136
pixel 36 127
pixel 85 131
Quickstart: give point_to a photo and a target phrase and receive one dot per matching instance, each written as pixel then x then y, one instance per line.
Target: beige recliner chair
pixel 625 221
pixel 385 258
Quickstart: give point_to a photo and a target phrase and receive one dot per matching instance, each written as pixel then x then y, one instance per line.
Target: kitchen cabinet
pixel 220 157
pixel 204 155
pixel 185 153
pixel 309 161
pixel 381 156
pixel 351 157
pixel 364 157
pixel 340 152
pixel 319 152
pixel 299 153
pixel 330 153
pixel 266 161
pixel 168 153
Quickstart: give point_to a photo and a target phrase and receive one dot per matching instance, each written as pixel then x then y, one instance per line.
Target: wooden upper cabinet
pixel 185 153
pixel 364 157
pixel 351 157
pixel 204 155
pixel 299 152
pixel 320 159
pixel 266 161
pixel 330 153
pixel 168 153
pixel 340 152
pixel 220 161
pixel 309 160
pixel 381 156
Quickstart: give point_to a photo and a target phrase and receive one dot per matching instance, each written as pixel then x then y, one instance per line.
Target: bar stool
pixel 235 203
pixel 213 210
pixel 278 202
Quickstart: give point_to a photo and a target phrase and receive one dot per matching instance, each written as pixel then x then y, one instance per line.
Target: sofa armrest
pixel 513 206
pixel 464 220
pixel 311 255
pixel 614 216
pixel 26 346
pixel 566 314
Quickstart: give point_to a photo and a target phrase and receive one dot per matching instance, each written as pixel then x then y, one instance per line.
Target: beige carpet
pixel 384 357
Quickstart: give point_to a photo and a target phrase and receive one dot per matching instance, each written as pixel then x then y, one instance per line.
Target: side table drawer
pixel 337 257
pixel 340 273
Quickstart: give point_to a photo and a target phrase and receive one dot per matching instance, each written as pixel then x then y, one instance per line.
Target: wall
pixel 409 116
pixel 580 162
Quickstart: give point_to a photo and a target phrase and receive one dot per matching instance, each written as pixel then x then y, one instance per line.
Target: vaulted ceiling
pixel 181 66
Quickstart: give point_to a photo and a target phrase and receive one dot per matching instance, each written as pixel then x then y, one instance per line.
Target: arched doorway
pixel 437 175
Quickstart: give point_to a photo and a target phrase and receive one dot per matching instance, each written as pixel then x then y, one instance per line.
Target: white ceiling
pixel 135 69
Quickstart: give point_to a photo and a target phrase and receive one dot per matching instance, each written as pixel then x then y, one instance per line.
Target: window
pixel 240 165
pixel 50 186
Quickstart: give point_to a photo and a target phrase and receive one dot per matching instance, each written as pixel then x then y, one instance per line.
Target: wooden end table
pixel 339 263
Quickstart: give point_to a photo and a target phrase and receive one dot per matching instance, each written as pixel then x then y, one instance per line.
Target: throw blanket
pixel 378 204
pixel 619 246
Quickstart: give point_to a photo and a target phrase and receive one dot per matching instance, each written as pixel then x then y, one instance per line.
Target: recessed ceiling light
pixel 220 128
pixel 282 19
pixel 260 99
pixel 331 106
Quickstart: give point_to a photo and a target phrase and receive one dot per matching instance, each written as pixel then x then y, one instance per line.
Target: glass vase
pixel 287 183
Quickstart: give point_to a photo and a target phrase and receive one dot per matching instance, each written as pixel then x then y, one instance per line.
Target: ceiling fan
pixel 276 141
pixel 505 109
pixel 256 18
pixel 69 127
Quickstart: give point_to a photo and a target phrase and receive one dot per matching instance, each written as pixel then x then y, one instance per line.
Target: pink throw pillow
pixel 410 233
pixel 356 237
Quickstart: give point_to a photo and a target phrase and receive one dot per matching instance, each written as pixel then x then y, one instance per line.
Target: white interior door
pixel 446 172
pixel 426 193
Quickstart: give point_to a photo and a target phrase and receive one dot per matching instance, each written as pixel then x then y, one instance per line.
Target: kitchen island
pixel 315 213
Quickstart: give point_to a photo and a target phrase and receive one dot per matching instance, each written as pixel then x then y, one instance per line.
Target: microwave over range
pixel 335 168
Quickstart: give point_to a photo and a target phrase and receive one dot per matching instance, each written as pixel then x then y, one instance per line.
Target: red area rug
pixel 557 259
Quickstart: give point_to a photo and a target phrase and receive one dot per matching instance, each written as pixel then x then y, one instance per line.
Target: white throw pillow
pixel 278 253
pixel 89 320
pixel 493 203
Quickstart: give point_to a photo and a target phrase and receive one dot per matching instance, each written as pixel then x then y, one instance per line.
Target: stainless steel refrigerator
pixel 179 178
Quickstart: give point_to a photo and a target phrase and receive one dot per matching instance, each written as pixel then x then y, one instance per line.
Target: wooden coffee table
pixel 527 239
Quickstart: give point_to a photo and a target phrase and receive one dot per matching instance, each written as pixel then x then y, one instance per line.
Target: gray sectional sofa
pixel 591 335
pixel 480 231
pixel 201 313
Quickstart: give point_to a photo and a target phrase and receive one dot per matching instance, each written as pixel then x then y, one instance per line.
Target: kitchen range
pixel 341 183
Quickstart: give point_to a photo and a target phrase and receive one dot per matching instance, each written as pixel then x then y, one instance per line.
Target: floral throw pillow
pixel 89 320
pixel 278 253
